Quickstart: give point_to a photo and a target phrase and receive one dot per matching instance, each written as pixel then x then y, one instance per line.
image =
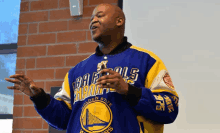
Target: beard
pixel 101 38
pixel 97 38
pixel 103 35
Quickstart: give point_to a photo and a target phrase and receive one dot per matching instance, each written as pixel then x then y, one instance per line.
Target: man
pixel 135 94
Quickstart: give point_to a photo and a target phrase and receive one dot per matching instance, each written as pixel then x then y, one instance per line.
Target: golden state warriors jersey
pixel 80 106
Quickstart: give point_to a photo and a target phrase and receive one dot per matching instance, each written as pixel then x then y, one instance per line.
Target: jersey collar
pixel 120 48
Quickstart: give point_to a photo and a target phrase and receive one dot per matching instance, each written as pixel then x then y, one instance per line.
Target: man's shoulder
pixel 81 63
pixel 146 51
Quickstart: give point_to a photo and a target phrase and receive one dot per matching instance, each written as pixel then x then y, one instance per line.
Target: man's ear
pixel 119 21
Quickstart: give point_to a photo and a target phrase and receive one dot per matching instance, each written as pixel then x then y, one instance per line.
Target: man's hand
pixel 113 80
pixel 23 84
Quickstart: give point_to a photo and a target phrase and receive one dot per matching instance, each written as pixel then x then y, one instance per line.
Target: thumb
pixel 33 88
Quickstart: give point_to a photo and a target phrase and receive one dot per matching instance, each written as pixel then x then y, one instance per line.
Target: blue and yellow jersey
pixel 81 106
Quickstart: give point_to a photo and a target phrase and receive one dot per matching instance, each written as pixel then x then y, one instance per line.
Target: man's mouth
pixel 94 28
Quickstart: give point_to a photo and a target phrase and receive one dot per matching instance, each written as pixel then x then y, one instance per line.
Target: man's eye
pixel 100 16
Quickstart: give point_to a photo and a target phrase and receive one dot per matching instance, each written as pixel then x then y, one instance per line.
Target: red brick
pixel 22 29
pixel 60 73
pixel 27 123
pixel 73 60
pixel 45 124
pixel 30 111
pixel 40 131
pixel 40 84
pixel 20 72
pixel 96 2
pixel 33 16
pixel 30 63
pixel 42 74
pixel 17 111
pixel 17 92
pixel 27 100
pixel 71 36
pixel 53 26
pixel 61 49
pixel 79 24
pixel 44 5
pixel 50 62
pixel 87 47
pixel 41 39
pixel 31 51
pixel 20 64
pixel 64 3
pixel 87 11
pixel 85 2
pixel 33 28
pixel 27 131
pixel 24 6
pixel 60 14
pixel 16 131
pixel 89 36
pixel 18 99
pixel 50 84
pixel 22 40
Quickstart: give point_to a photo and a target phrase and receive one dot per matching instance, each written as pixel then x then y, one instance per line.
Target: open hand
pixel 113 80
pixel 23 84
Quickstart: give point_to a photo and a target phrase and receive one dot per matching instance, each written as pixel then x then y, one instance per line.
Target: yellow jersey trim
pixel 154 71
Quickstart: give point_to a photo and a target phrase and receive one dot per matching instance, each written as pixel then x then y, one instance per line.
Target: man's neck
pixel 107 47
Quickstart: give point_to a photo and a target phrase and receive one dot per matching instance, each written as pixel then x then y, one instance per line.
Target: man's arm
pixel 56 112
pixel 157 98
pixel 160 107
pixel 47 106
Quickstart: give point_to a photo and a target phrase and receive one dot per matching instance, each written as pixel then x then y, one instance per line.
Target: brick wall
pixel 50 42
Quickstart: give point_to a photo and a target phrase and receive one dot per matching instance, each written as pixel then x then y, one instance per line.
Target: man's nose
pixel 94 20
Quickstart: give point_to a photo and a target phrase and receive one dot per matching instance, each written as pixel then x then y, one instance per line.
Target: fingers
pixel 20 77
pixel 13 87
pixel 107 81
pixel 107 70
pixel 106 77
pixel 107 86
pixel 112 79
pixel 17 75
pixel 16 81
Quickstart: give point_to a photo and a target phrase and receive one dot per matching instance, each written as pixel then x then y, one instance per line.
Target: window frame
pixel 120 3
pixel 10 48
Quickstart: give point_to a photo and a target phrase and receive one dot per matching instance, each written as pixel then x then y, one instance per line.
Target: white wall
pixel 6 125
pixel 185 34
pixel 6 101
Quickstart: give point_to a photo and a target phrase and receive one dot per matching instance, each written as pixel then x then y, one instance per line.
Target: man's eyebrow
pixel 97 13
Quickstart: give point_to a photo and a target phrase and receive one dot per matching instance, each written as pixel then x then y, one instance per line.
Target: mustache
pixel 91 24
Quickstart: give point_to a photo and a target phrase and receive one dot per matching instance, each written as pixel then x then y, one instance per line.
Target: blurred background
pixel 9 21
pixel 185 34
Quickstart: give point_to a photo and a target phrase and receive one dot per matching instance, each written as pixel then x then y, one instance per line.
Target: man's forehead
pixel 101 8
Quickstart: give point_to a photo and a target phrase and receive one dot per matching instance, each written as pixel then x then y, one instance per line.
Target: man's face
pixel 102 22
